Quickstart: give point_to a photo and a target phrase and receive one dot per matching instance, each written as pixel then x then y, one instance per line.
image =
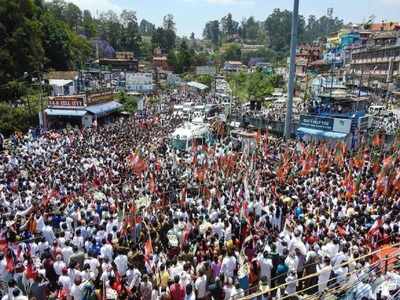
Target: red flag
pixel 152 184
pixel 377 140
pixel 10 264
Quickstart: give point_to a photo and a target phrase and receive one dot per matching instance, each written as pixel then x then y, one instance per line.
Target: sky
pixel 191 15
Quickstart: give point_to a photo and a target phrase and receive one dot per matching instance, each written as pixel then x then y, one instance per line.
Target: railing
pixel 378 265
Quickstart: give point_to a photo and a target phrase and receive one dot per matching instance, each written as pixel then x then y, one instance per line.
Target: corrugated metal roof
pixel 104 108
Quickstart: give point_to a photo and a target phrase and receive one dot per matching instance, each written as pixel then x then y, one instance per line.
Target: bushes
pixel 14 119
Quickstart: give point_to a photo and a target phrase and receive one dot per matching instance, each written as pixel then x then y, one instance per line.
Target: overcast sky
pixel 191 15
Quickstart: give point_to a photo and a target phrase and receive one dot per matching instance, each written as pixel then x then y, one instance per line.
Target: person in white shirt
pixel 48 233
pixel 121 262
pixel 59 265
pixel 107 250
pixel 265 266
pixel 67 252
pixel 93 263
pixel 64 280
pixel 77 289
pixel 228 265
pixel 292 283
pixel 201 285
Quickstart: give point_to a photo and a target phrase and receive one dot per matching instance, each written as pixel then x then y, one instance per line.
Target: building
pixel 377 65
pixel 234 66
pixel 123 61
pixel 206 70
pixel 63 83
pixel 139 82
pixel 160 63
pixel 80 110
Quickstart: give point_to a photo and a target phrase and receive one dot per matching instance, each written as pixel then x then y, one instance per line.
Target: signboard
pixel 73 101
pixel 206 70
pixel 139 82
pixel 341 125
pixel 364 122
pixel 316 122
pixel 99 97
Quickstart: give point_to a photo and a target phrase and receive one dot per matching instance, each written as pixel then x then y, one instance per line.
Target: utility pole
pixel 292 68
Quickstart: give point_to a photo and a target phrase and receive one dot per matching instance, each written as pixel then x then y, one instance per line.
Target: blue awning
pixel 65 112
pixel 321 133
pixel 104 108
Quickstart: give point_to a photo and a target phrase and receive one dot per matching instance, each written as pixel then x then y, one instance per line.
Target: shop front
pixel 331 130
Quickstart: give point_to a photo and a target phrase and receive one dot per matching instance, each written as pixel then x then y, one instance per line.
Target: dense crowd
pixel 114 212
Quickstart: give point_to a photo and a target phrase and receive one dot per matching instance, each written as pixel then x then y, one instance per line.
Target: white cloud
pixel 231 1
pixel 97 6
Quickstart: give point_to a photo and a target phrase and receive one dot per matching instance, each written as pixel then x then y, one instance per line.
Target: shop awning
pixel 321 133
pixel 104 108
pixel 65 112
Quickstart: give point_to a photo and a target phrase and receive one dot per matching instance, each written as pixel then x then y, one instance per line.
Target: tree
pixel 278 25
pixel 169 23
pixel 259 86
pixel 317 28
pixel 130 38
pixel 212 32
pixel 129 102
pixel 164 39
pixel 229 27
pixel 21 48
pixel 72 16
pixel 63 48
pixel 88 24
pixel 146 28
pixel 249 29
pixel 232 52
pixel 184 58
pixel 172 59
pixel 110 29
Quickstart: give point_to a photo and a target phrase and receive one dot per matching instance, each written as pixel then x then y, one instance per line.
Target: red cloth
pixel 177 292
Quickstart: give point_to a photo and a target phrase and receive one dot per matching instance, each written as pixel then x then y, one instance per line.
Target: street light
pixel 292 68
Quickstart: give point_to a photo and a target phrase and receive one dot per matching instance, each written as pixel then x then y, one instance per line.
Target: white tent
pixel 197 85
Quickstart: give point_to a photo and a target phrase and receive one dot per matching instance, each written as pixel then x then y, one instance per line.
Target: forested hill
pixel 38 35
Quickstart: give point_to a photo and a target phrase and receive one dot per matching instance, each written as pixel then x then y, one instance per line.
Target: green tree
pixel 205 79
pixel 184 58
pixel 169 23
pixel 212 32
pixel 21 37
pixel 278 25
pixel 64 49
pixel 72 16
pixel 249 29
pixel 130 39
pixel 229 27
pixel 172 59
pixel 232 52
pixel 88 24
pixel 146 28
pixel 129 102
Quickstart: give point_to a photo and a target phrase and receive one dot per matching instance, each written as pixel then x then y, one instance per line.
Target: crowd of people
pixel 115 212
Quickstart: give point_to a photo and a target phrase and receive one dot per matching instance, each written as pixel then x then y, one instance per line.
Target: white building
pixel 139 82
pixel 62 87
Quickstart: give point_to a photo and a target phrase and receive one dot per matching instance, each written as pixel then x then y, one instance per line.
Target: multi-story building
pixel 377 65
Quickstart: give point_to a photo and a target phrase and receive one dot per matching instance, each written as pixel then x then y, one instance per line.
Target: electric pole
pixel 292 68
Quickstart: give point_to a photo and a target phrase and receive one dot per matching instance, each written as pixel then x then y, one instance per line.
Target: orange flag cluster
pixel 137 164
